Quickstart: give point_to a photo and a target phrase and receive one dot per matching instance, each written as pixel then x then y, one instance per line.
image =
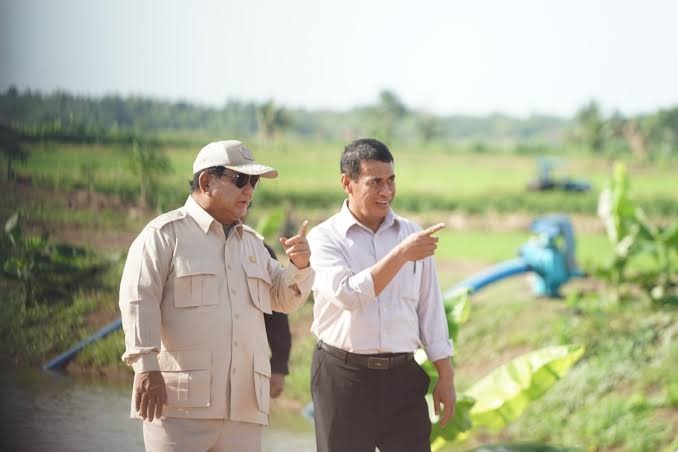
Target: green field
pixel 313 168
pixel 494 246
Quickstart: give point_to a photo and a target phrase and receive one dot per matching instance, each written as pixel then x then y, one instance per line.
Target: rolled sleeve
pixel 355 291
pixel 144 363
pixel 439 350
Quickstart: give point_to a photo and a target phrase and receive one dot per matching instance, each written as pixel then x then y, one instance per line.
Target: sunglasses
pixel 240 179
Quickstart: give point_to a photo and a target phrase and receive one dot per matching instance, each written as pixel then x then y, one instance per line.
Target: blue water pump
pixel 550 254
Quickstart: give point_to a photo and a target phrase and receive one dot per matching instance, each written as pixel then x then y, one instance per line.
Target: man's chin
pixel 242 215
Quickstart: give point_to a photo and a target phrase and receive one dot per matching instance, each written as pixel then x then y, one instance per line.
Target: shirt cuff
pixel 439 350
pixel 303 278
pixel 145 363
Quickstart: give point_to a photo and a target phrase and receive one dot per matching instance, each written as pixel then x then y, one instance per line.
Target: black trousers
pixel 358 409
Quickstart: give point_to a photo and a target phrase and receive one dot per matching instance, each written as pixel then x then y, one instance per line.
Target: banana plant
pixel 501 396
pixel 632 234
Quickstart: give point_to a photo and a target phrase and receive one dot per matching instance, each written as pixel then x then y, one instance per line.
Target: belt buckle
pixel 377 363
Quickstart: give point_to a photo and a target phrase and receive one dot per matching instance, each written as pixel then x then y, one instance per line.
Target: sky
pixel 449 57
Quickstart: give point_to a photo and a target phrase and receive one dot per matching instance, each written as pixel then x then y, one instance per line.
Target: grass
pixel 610 400
pixel 34 334
pixel 494 246
pixel 105 353
pixel 617 398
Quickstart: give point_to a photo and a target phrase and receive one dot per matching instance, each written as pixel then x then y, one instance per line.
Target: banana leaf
pixel 457 311
pixel 502 396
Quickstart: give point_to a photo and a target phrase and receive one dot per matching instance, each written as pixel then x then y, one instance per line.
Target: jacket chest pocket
pixel 259 286
pixel 187 377
pixel 195 284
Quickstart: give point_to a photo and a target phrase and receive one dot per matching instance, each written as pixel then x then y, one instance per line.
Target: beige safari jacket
pixel 192 303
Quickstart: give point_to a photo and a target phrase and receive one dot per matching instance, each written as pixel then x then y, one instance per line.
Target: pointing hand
pixel 420 245
pixel 297 248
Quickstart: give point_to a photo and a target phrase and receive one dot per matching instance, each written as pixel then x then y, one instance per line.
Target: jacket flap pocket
pixel 176 361
pixel 262 365
pixel 185 267
pixel 255 271
pixel 262 381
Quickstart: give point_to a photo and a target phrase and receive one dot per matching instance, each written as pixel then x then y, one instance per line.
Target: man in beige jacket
pixel 193 293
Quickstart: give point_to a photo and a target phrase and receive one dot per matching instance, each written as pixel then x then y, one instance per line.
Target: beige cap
pixel 231 154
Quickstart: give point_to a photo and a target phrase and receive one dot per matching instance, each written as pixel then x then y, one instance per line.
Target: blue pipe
pixel 63 359
pixel 493 274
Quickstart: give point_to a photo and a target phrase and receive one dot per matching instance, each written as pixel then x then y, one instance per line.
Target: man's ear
pixel 346 183
pixel 204 182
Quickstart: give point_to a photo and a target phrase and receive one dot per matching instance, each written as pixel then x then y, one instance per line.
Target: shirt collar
pixel 346 219
pixel 204 219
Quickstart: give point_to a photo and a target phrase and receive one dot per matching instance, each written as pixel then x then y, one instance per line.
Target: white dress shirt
pixel 406 315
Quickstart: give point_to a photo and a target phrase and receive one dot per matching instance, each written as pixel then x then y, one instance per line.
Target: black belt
pixel 382 361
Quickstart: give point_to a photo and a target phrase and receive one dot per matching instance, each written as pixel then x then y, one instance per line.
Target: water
pixel 42 412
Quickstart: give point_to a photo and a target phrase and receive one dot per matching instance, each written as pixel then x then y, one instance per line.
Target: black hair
pixel 362 150
pixel 212 171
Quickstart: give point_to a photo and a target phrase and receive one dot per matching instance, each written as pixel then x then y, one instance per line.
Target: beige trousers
pixel 201 435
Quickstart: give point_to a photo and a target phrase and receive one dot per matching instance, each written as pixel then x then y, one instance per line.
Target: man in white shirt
pixel 193 294
pixel 377 300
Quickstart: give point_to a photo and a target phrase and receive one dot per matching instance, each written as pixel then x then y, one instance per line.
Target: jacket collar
pixel 204 219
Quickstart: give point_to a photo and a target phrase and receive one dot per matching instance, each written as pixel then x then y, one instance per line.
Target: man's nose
pixel 386 190
pixel 248 188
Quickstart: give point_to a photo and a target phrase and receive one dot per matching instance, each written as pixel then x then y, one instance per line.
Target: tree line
pixel 69 116
pixel 66 117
